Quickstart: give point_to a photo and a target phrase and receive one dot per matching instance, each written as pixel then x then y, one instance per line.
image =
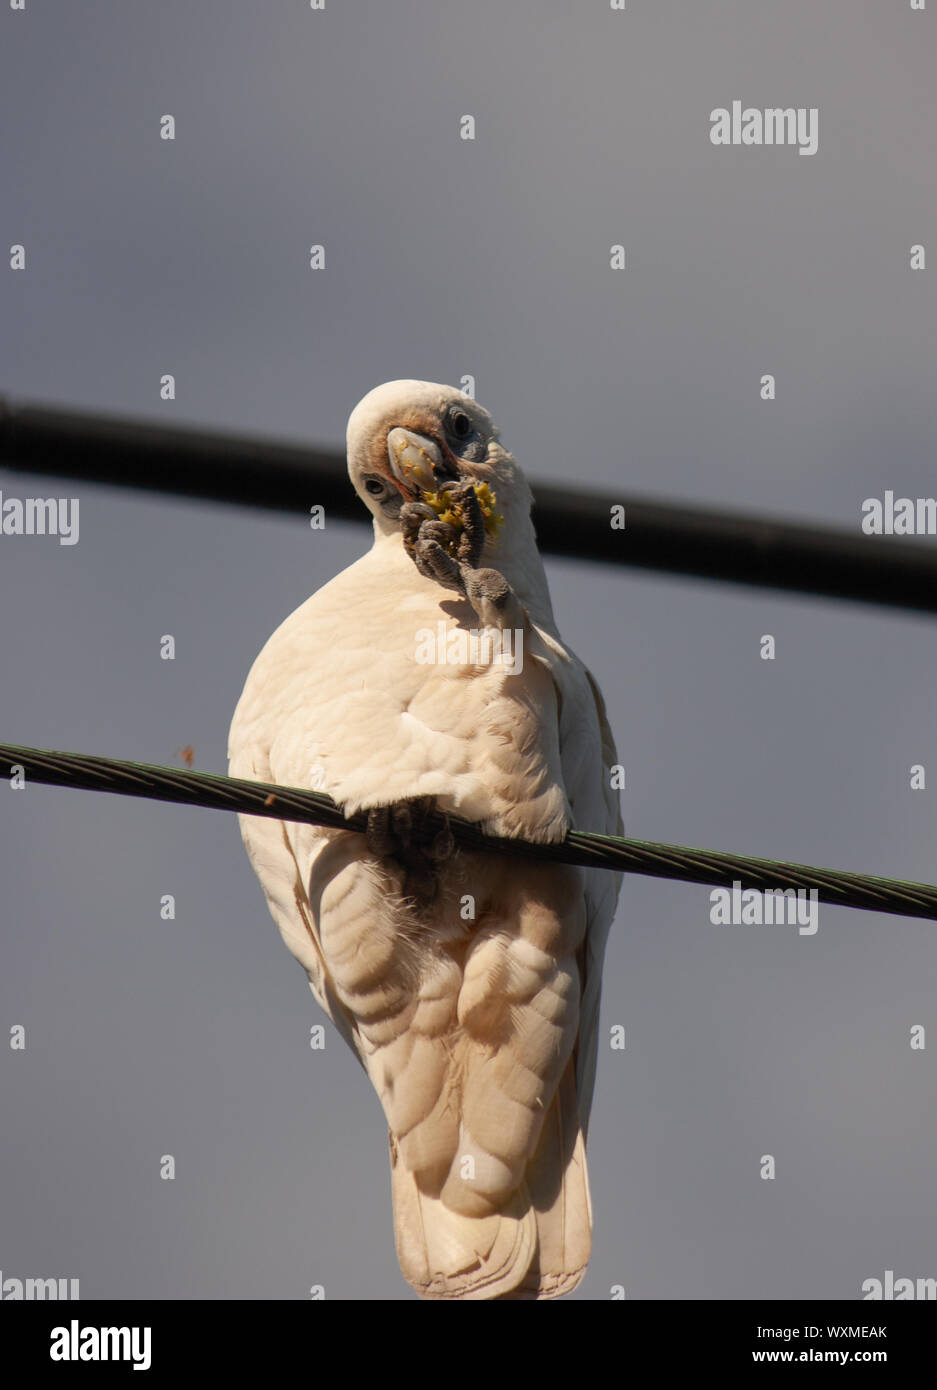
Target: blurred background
pixel 445 257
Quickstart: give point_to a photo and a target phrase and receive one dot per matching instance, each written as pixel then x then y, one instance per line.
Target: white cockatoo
pixel 430 674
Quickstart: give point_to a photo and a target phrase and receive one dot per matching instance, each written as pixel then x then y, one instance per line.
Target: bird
pixel 429 680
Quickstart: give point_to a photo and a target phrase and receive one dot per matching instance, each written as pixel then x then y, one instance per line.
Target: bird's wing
pixel 589 755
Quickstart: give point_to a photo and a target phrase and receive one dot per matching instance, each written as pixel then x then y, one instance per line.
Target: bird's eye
pixel 375 487
pixel 459 424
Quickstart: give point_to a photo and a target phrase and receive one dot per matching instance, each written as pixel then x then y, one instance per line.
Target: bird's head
pixel 407 438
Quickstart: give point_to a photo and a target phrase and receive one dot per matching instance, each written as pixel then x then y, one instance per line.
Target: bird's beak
pixel 416 462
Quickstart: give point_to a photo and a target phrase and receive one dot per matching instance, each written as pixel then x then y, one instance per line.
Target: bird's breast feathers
pixel 381 687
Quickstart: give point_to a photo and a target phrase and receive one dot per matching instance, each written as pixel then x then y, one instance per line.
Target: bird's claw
pixel 413 515
pixel 487 586
pixel 471 541
pixel 439 551
pixel 435 563
pixel 400 832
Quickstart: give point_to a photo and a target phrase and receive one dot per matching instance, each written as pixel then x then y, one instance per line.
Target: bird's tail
pixel 536 1247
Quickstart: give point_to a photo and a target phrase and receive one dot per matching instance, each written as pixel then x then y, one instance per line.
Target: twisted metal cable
pixel 587 849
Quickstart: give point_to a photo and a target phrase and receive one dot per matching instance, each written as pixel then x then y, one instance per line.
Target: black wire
pixel 657 536
pixel 580 847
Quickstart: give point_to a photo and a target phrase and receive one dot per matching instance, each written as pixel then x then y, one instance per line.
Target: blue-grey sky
pixel 445 257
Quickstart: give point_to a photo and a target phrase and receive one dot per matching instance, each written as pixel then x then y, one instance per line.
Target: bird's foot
pixel 413 515
pixel 402 832
pixel 450 556
pixel 471 540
